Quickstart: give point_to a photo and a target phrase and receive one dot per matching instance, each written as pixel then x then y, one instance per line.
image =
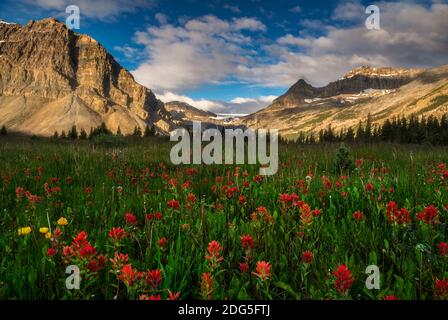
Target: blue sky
pixel 236 56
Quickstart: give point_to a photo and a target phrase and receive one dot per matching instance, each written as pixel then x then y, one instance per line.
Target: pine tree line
pixel 102 130
pixel 404 130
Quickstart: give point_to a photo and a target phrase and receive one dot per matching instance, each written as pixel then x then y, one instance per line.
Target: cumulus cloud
pixel 210 50
pixel 203 50
pixel 208 105
pixel 237 105
pixel 161 18
pixel 411 35
pixel 98 9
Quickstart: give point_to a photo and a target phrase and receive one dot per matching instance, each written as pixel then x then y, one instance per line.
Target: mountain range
pixel 52 78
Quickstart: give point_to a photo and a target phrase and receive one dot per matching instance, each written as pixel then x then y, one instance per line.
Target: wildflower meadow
pixel 134 226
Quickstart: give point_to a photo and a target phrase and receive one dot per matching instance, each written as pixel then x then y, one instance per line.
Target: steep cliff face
pixel 52 78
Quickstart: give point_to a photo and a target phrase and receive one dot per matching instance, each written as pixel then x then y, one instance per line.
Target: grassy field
pixel 140 228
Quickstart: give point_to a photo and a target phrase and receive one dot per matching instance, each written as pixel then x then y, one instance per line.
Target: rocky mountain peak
pixel 45 62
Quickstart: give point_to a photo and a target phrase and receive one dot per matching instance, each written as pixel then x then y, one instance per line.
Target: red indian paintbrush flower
pixel 429 216
pixel 162 242
pixel 247 242
pixel 191 197
pixel 153 278
pixel 262 270
pixel 358 216
pixel 130 218
pixel 244 267
pixel 441 289
pixel 128 275
pixel 214 249
pixel 87 250
pixel 390 297
pixel 117 233
pixel 206 285
pixel 307 256
pixel 443 248
pixel 343 279
pixel 395 215
pixel 51 252
pixel 174 204
pixel 173 295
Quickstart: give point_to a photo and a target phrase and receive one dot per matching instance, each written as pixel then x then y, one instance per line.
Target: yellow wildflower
pixel 48 235
pixel 24 231
pixel 43 230
pixel 62 221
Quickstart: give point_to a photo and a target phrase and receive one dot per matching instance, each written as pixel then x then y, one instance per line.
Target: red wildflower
pixel 191 198
pixel 153 278
pixel 306 216
pixel 128 275
pixel 154 216
pixel 117 233
pixel 87 250
pixel 369 187
pixel 316 212
pixel 443 248
pixel 174 204
pixel 343 279
pixel 88 190
pixel 244 267
pixel 358 216
pixel 206 285
pixel 162 242
pixel 390 297
pixel 395 215
pixel 93 265
pixel 81 239
pixel 153 297
pixel 214 249
pixel 51 252
pixel 441 289
pixel 67 251
pixel 247 242
pixel 262 270
pixel 119 260
pixel 19 192
pixel 130 218
pixel 307 256
pixel 429 216
pixel 173 295
pixel 242 199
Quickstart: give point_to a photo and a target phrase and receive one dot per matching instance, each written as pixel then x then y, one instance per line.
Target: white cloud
pixel 203 104
pixel 412 35
pixel 203 50
pixel 161 18
pixel 234 9
pixel 99 9
pixel 237 105
pixel 240 100
pixel 258 100
pixel 349 11
pixel 296 9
